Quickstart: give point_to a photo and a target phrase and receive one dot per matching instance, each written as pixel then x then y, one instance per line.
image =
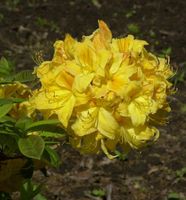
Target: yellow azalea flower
pixel 138 137
pixel 96 119
pixel 60 102
pixel 105 91
pixel 17 90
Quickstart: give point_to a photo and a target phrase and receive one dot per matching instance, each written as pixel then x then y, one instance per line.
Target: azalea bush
pixel 98 94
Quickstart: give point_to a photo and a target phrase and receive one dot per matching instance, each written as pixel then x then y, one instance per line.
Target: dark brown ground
pixel 27 26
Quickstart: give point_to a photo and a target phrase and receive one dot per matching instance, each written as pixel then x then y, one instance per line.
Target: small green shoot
pixel 152 34
pixel 98 192
pixel 30 191
pixel 181 173
pixel 133 28
pixel 120 156
pixel 173 196
pixel 12 4
pixel 180 75
pixel 130 13
pixel 167 51
pixel 42 22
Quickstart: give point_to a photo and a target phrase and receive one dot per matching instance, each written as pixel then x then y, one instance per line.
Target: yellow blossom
pixel 105 91
pixel 17 90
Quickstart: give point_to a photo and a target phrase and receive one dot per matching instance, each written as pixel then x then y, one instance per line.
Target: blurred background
pixel 157 173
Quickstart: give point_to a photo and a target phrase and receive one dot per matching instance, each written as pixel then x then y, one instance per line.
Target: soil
pixel 156 173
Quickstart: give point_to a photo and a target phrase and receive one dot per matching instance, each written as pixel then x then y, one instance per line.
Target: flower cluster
pixel 105 91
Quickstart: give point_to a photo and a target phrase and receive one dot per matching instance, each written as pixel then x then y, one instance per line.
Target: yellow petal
pixel 72 68
pixel 129 44
pixel 86 122
pixel 99 92
pixel 81 98
pixel 43 69
pixel 138 45
pixel 137 115
pixel 105 32
pixel 117 60
pixel 85 55
pixel 138 110
pixel 64 79
pixel 69 44
pixel 82 81
pixel 121 79
pixel 107 124
pixel 99 64
pixel 65 112
pixel 125 44
pixel 102 37
pixel 59 53
pixel 49 99
pixel 123 109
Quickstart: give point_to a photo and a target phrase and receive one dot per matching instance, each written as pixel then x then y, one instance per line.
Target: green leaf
pixel 40 197
pixel 52 143
pixel 5 68
pixel 4 109
pixel 29 190
pixel 4 63
pixel 42 123
pixel 6 80
pixel 24 76
pixel 11 101
pixel 9 144
pixel 53 156
pixel 51 134
pixel 32 146
pixel 7 119
pixel 5 101
pixel 173 196
pixel 8 133
pixel 18 100
pixel 23 123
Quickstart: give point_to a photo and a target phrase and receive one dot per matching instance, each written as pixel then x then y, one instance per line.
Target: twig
pixel 109 192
